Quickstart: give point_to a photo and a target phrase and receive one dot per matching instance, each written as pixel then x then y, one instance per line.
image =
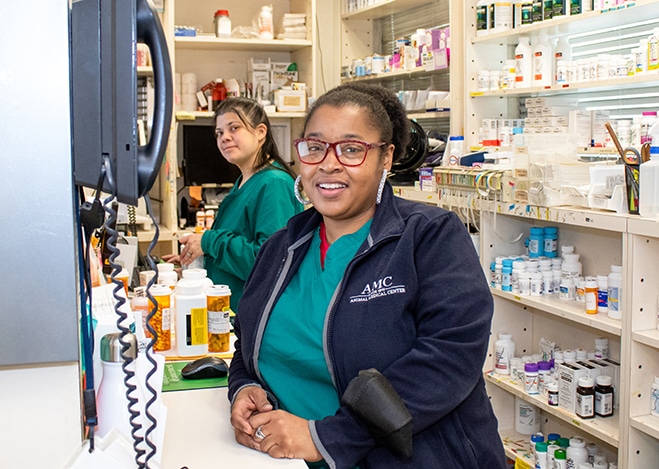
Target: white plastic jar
pixel 166 274
pixel 191 319
pixel 504 350
pixel 222 23
pixel 614 296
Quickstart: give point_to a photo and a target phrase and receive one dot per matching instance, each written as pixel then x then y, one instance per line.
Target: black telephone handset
pixel 150 156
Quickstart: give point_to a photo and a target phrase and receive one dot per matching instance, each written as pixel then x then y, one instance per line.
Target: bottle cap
pixel 165 267
pixel 537 437
pixel 111 347
pixel 563 442
pixel 541 447
pixel 221 290
pixel 222 13
pixel 189 287
pixel 552 386
pixel 560 454
pixel 577 442
pixel 603 380
pixel 544 365
pixel 195 273
pixel 160 290
pixel 586 382
pixel 531 367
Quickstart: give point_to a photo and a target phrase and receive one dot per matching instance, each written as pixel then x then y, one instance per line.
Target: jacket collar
pixel 387 221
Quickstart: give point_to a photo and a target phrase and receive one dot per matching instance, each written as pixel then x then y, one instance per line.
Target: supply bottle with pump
pixel 543 61
pixel 648 200
pixel 523 63
pixel 562 51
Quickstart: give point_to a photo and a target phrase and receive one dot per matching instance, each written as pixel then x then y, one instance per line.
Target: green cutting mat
pixel 172 380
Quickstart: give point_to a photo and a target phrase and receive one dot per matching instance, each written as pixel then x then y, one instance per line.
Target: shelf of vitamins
pixel 512 19
pixel 575 385
pixel 555 451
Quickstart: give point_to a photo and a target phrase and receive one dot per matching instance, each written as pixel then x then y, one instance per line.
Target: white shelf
pixel 517 447
pixel 610 84
pixel 650 338
pixel 604 429
pixel 410 193
pixel 565 215
pixel 571 310
pixel 383 8
pixel 208 42
pixel 648 424
pixel 165 235
pixel 399 74
pixel 563 25
pixel 183 115
pixel 643 226
pixel 144 71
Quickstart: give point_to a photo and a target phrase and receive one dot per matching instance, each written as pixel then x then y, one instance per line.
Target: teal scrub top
pixel 247 216
pixel 292 360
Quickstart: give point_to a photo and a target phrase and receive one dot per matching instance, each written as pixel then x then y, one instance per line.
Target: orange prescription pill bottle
pixel 219 310
pixel 161 320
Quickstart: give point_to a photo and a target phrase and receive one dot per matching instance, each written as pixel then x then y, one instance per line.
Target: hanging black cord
pixel 154 336
pixel 129 374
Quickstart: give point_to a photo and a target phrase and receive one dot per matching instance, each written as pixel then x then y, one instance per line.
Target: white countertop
pixel 198 435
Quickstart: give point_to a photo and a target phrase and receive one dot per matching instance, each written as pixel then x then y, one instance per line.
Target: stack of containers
pixel 189 92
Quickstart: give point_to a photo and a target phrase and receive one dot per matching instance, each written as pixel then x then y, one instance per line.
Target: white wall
pixel 40 423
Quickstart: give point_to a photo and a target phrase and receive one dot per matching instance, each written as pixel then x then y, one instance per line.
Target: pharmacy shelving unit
pixel 211 57
pixel 631 436
pixel 643 274
pixel 600 238
pixel 364 30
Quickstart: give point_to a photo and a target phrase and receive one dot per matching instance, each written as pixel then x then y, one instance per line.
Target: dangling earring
pixel 383 179
pixel 296 189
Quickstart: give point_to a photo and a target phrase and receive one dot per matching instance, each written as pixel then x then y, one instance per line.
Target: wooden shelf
pixel 210 42
pixel 183 115
pixel 605 429
pixel 382 8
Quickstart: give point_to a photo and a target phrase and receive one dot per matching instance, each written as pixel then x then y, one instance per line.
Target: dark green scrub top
pixel 247 216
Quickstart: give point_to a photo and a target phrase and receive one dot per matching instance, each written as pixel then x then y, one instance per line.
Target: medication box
pixel 291 100
pixel 568 381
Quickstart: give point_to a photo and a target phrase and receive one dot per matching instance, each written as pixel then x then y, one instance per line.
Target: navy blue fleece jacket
pixel 414 304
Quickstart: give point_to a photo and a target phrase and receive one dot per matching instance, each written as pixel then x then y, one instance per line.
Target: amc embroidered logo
pixel 382 287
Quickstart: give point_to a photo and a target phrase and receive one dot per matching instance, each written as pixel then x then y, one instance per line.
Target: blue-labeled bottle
pixel 536 242
pixel 506 275
pixel 550 241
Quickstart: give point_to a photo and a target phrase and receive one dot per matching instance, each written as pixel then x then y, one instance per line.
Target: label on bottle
pixel 614 299
pixel 481 18
pixel 604 403
pixel 196 327
pixel 218 322
pixel 585 407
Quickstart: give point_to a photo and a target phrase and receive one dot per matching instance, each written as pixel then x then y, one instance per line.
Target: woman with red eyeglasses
pixel 364 324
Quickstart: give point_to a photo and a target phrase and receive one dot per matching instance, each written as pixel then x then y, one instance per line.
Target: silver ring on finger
pixel 259 433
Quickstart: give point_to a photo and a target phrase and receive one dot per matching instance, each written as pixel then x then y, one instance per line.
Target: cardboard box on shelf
pixel 291 100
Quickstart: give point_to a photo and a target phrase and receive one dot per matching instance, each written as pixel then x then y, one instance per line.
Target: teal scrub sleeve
pixel 266 212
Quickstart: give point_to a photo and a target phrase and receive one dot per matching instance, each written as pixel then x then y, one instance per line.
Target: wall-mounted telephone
pixel 104 34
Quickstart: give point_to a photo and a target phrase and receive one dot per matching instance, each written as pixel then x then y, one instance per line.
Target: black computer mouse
pixel 207 367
